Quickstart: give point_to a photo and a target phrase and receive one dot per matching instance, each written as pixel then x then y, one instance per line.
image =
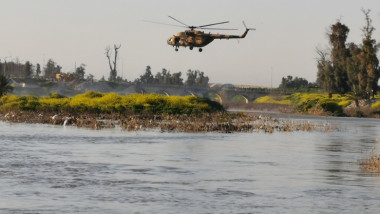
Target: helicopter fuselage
pixel 194 38
pixel 190 38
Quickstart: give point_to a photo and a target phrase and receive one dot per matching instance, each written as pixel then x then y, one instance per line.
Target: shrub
pixel 28 103
pixel 376 105
pixel 87 102
pixel 95 102
pixel 283 100
pixel 53 104
pixel 331 106
pixel 9 102
pixel 110 102
pixel 56 95
pixel 345 103
pixel 92 94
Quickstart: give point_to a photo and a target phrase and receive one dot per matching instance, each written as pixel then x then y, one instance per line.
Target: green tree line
pixel 349 67
pixel 195 78
pixel 28 70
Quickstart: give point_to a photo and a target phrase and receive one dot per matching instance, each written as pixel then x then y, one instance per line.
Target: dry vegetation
pixel 206 122
pixel 372 162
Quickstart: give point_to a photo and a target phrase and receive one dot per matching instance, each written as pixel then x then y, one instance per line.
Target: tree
pixel 28 69
pixel 191 78
pixel 51 69
pixel 176 79
pixel 297 82
pixel 112 65
pixel 196 78
pixel 80 71
pixel 201 80
pixel 363 65
pixel 166 78
pixel 5 86
pixel 90 78
pixel 354 73
pixel 339 54
pixel 38 69
pixel 369 61
pixel 350 68
pixel 332 75
pixel 147 77
pixel 325 75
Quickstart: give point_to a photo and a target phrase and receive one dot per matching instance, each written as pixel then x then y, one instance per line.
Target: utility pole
pixel 122 69
pixel 271 77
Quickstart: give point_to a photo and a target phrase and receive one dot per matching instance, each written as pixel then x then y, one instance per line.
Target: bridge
pixel 222 95
pixel 169 90
pixel 249 94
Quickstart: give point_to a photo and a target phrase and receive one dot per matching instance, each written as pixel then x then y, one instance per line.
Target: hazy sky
pixel 77 31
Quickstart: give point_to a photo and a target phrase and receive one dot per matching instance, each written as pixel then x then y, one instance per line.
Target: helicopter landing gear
pixel 200 50
pixel 191 47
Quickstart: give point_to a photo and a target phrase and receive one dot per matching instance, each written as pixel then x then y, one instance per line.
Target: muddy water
pixel 55 169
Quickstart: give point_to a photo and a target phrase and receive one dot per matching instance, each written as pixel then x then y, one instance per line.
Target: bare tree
pixel 113 71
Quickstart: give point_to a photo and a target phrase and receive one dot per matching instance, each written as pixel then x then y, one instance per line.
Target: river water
pixel 55 169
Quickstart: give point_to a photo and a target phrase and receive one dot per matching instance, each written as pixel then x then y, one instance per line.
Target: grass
pixel 95 102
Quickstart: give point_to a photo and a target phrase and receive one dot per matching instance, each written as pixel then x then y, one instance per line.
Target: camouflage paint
pixel 194 38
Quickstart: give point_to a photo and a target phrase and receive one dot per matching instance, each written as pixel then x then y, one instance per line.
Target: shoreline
pixel 222 122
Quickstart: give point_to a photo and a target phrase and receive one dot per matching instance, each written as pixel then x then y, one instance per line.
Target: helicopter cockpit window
pixel 170 39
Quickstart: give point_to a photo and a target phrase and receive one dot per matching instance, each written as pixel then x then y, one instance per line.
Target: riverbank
pixel 223 122
pixel 136 112
pixel 313 104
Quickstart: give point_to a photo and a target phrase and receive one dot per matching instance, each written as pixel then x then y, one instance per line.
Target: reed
pixel 222 122
pixel 372 162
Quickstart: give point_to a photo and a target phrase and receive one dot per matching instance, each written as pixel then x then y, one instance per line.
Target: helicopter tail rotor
pixel 246 31
pixel 247 27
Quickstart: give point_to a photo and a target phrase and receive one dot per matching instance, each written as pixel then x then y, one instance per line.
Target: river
pixel 55 169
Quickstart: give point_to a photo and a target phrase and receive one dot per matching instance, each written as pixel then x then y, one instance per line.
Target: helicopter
pixel 195 38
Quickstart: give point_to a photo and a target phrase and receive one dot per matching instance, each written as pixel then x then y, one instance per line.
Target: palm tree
pixel 5 86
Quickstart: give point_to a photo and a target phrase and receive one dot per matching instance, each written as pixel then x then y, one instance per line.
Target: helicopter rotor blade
pixel 209 28
pixel 245 25
pixel 213 24
pixel 178 21
pixel 160 23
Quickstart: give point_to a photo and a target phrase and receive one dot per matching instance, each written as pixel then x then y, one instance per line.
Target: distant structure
pixel 228 85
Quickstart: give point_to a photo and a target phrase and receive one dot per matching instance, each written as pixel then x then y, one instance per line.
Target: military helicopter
pixel 194 38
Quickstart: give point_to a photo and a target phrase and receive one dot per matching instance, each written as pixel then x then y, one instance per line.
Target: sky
pixel 72 32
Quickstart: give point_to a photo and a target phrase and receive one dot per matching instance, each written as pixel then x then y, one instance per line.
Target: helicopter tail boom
pixel 222 36
pixel 246 30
